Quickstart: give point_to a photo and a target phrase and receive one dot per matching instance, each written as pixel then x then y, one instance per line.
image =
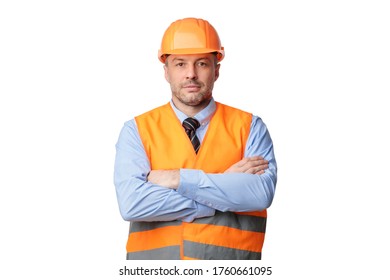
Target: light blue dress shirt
pixel 199 194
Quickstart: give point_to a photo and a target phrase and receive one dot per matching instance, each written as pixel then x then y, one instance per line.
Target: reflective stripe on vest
pixel 194 250
pixel 226 235
pixel 165 253
pixel 234 220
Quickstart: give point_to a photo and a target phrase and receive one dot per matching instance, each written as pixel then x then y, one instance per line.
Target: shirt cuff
pixel 204 211
pixel 201 212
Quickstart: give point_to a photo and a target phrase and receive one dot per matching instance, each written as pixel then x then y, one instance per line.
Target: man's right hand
pixel 251 165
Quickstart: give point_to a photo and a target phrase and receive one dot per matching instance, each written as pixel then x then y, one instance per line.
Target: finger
pixel 247 163
pixel 256 161
pixel 260 172
pixel 256 169
pixel 254 164
pixel 262 161
pixel 263 166
pixel 255 158
pixel 243 162
pixel 252 170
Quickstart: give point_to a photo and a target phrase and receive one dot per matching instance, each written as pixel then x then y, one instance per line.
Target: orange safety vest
pixel 226 235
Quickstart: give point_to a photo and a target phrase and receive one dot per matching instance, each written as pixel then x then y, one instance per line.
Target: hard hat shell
pixel 190 36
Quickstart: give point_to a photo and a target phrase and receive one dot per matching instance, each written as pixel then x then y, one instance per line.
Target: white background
pixel 72 72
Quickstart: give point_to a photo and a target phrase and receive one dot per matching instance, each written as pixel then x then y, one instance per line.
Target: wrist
pixel 175 176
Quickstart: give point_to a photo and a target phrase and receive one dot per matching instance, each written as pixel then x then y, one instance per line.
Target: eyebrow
pixel 183 59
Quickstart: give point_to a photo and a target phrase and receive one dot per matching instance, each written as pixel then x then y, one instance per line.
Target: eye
pixel 180 64
pixel 202 64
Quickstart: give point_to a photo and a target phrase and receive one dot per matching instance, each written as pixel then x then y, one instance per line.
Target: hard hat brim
pixel 220 53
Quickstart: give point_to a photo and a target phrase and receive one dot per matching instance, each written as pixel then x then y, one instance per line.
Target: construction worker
pixel 194 176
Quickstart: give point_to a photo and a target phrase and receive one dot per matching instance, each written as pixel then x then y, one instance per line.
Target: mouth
pixel 191 86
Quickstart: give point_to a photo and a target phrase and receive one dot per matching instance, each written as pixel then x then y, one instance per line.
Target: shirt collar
pixel 203 116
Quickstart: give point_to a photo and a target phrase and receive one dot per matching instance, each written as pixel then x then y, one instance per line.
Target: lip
pixel 191 86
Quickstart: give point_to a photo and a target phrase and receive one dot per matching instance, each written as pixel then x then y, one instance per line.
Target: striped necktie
pixel 190 125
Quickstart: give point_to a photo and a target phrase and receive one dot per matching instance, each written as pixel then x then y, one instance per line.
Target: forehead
pixel 190 57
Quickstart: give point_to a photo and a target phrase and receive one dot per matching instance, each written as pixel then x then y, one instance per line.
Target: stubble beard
pixel 193 99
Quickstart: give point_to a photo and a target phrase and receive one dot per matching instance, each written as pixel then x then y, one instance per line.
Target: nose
pixel 191 72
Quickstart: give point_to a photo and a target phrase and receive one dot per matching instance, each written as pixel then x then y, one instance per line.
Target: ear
pixel 216 73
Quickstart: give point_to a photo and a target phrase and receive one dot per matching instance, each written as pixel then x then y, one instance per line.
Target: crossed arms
pixel 187 194
pixel 171 178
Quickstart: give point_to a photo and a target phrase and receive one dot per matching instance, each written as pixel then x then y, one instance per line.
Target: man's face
pixel 191 78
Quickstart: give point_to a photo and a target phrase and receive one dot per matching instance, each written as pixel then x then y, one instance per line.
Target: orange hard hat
pixel 190 36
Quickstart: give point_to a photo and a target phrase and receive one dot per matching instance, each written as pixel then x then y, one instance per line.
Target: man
pixel 194 177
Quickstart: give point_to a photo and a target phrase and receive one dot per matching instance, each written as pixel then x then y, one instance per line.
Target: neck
pixel 190 110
